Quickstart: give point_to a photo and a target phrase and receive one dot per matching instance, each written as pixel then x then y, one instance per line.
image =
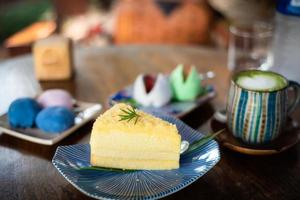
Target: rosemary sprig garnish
pixel 129 114
pixel 202 141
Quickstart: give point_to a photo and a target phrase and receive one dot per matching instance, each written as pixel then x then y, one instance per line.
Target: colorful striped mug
pixel 257 106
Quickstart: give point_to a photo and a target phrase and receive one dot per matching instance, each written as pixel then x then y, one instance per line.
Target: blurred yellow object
pixel 53 58
pixel 31 33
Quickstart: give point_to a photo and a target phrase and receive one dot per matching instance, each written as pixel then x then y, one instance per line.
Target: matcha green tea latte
pixel 257 105
pixel 264 81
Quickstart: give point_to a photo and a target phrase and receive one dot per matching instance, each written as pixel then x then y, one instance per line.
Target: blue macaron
pixel 22 113
pixel 55 119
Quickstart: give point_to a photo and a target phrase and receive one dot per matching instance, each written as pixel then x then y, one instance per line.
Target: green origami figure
pixel 185 90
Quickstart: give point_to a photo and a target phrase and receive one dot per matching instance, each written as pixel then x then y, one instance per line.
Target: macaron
pixel 55 97
pixel 55 119
pixel 22 113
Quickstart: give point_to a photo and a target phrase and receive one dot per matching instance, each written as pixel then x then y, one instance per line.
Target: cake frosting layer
pixel 147 124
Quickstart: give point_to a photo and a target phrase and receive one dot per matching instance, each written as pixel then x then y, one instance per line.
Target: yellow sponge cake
pixel 127 138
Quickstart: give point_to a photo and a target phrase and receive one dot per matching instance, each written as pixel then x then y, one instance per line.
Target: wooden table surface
pixel 26 171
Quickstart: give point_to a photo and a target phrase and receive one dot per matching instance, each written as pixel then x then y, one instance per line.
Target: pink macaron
pixel 55 97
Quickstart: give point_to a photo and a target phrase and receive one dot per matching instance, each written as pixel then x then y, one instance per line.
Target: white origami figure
pixel 159 92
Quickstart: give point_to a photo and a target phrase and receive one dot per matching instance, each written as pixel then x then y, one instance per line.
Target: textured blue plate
pixel 176 109
pixel 142 184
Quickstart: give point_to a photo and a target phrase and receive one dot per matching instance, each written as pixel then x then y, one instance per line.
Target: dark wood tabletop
pixel 26 171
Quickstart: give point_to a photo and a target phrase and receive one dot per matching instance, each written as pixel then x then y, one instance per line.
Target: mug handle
pixel 296 87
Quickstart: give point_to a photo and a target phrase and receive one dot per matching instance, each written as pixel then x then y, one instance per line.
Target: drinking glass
pixel 250 46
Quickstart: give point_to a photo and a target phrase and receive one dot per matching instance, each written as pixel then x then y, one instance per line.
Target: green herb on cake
pixel 129 114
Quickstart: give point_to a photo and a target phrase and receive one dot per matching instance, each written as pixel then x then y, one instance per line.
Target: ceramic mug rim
pixel 233 80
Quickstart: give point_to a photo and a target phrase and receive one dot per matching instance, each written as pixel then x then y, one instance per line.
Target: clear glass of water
pixel 250 46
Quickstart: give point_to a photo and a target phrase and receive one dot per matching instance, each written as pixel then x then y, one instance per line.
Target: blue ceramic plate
pixel 176 109
pixel 140 184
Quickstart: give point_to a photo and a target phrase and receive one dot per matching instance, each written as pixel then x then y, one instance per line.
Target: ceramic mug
pixel 259 116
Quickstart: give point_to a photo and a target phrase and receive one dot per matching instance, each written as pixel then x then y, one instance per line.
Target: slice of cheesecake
pixel 144 142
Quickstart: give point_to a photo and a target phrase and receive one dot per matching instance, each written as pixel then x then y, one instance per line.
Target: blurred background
pixel 119 22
